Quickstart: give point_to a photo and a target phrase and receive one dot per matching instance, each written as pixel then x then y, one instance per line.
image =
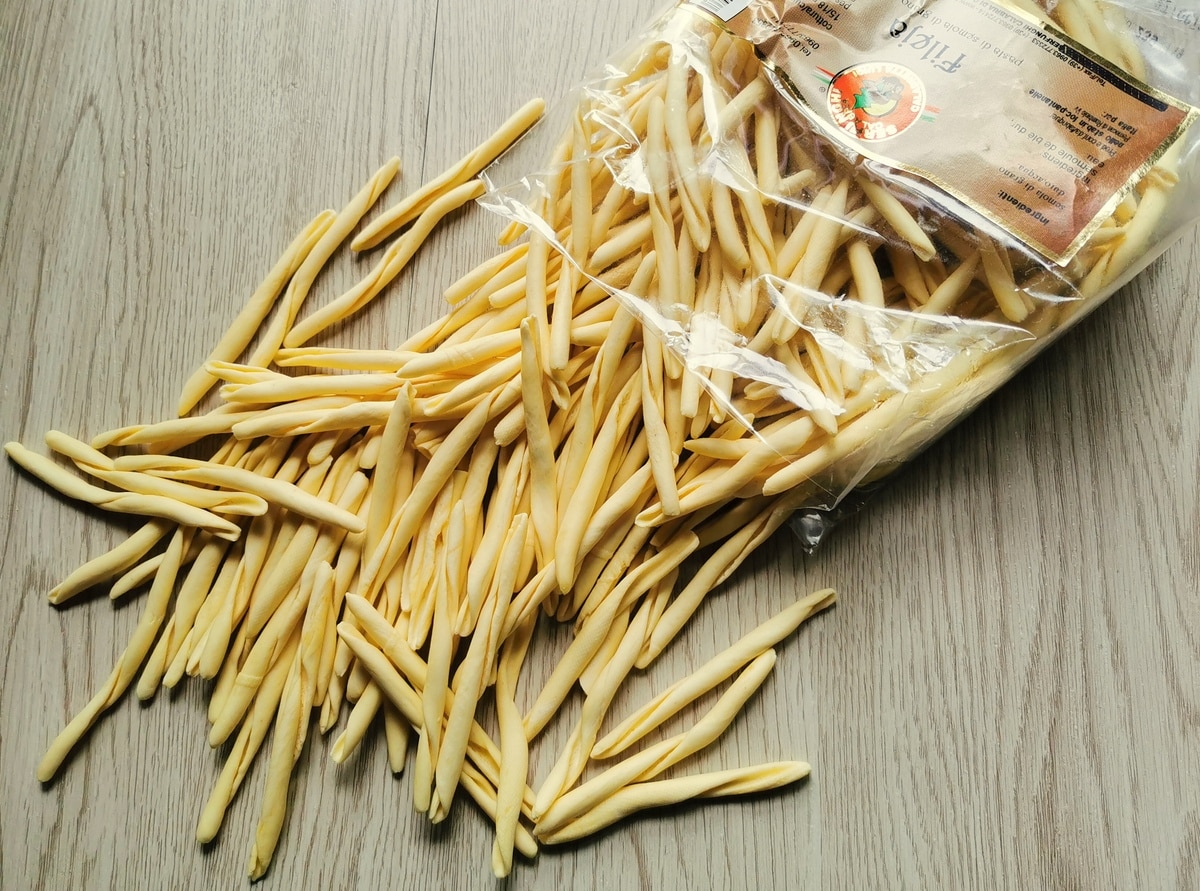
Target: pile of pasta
pixel 703 318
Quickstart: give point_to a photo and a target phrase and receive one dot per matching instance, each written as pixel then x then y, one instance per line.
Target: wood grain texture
pixel 1007 696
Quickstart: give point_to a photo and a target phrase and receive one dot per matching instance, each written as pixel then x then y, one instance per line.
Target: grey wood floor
pixel 1006 696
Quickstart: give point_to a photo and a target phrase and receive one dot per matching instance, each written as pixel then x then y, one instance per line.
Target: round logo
pixel 873 101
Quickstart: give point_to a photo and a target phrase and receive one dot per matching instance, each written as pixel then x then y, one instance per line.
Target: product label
pixel 1028 128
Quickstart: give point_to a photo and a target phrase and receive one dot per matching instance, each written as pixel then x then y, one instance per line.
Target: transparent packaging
pixel 822 315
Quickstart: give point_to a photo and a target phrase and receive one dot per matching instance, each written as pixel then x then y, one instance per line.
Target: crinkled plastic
pixel 813 340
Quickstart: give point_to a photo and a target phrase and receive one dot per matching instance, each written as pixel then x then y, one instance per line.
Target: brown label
pixel 1025 126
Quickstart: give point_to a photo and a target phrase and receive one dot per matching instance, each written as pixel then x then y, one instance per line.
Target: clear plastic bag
pixel 826 314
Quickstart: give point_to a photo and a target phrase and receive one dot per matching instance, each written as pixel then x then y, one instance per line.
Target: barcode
pixel 722 9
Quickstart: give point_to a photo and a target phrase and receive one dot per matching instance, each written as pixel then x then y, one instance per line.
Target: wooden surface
pixel 1007 696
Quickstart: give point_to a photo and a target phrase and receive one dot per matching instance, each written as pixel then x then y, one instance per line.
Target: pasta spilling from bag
pixel 755 277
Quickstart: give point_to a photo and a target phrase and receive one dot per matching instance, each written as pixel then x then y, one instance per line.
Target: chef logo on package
pixel 874 101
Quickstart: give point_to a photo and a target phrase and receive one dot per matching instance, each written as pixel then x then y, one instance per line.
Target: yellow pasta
pixel 713 321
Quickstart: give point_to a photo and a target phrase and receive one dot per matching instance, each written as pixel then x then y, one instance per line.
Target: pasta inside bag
pixel 831 265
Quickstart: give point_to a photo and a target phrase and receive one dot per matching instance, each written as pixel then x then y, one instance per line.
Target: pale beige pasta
pixel 712 322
